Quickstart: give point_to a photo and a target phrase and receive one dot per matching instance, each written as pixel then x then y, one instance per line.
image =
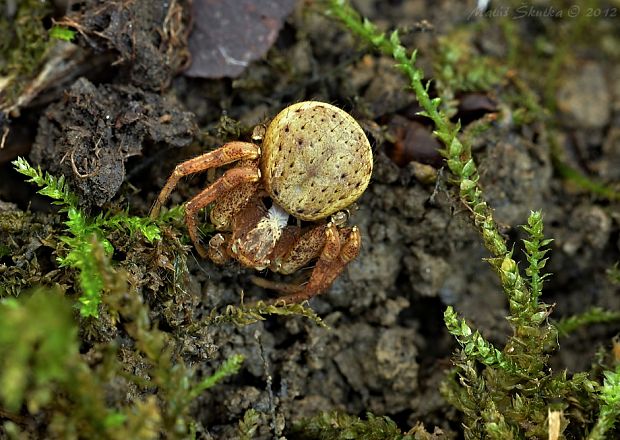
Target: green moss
pixel 595 315
pixel 62 33
pixel 610 406
pixel 248 314
pixel 85 233
pixel 34 357
pixel 249 424
pixel 338 426
pixel 581 180
pixel 49 388
pixel 43 372
pixel 613 273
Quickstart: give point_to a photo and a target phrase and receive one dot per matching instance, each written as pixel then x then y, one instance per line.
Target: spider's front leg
pixel 227 153
pixel 231 179
pixel 218 248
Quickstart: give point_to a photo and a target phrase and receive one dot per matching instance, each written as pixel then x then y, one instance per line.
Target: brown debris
pixel 150 37
pixel 412 142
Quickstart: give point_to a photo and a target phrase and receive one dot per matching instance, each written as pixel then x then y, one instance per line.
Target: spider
pixel 314 161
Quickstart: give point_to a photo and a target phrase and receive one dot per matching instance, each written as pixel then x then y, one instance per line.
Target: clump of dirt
pixel 89 135
pixel 150 38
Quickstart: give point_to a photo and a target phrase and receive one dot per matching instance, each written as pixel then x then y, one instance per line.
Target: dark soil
pixel 118 134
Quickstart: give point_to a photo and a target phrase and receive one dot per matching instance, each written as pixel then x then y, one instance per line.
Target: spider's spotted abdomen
pixel 316 160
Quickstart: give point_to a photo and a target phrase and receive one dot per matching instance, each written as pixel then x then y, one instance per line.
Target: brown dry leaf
pixel 228 35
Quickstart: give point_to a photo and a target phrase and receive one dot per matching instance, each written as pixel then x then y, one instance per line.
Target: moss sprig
pixel 248 425
pixel 34 356
pixel 535 253
pixel 338 426
pixel 609 412
pixel 613 274
pixel 230 367
pixel 594 315
pixel 84 233
pixel 580 179
pixel 62 33
pixel 475 346
pixel 246 314
pixel 53 187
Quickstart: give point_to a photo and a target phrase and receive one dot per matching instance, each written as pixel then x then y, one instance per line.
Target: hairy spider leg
pixel 340 248
pixel 229 180
pixel 300 250
pixel 227 153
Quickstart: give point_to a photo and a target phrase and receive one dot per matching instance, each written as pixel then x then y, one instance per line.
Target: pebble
pixel 584 99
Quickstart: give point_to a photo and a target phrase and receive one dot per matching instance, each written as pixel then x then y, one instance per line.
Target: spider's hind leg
pixel 341 246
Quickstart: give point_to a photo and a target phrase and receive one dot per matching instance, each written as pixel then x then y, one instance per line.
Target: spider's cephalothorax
pixel 314 161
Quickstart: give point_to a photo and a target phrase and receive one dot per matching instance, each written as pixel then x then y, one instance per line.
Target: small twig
pixel 5 133
pixel 76 171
